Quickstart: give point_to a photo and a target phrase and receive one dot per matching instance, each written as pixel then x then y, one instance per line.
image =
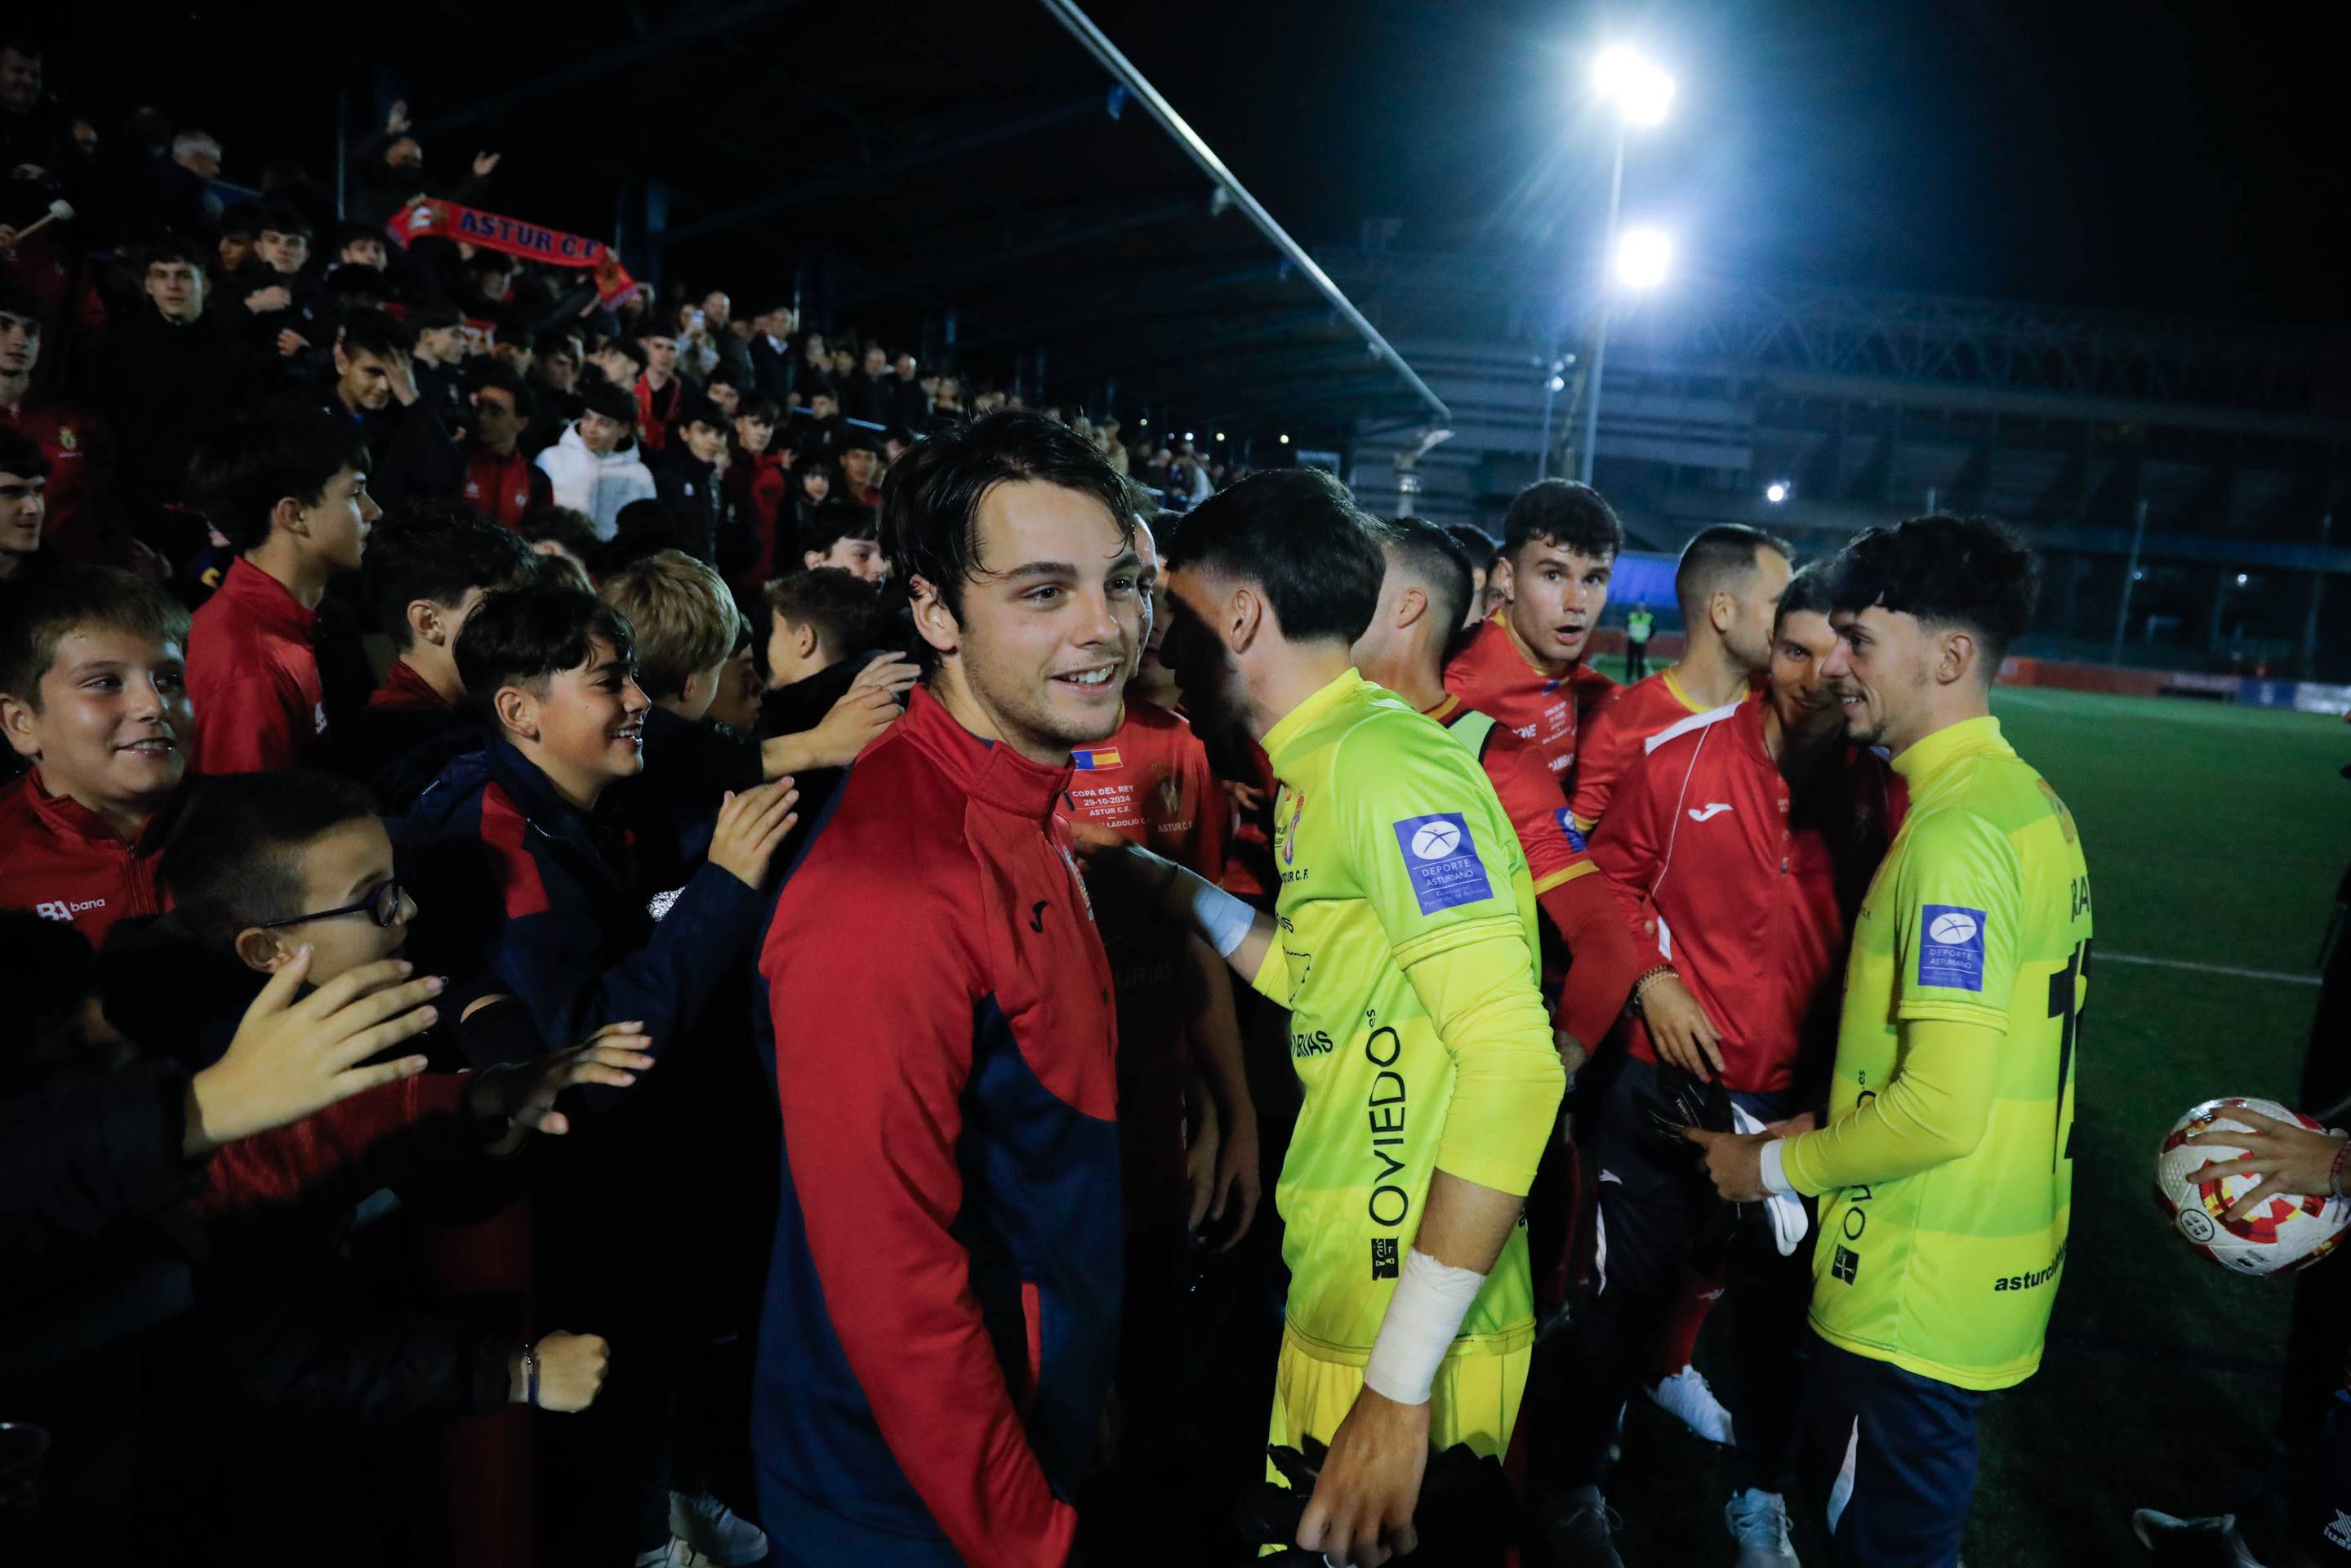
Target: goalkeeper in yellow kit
pixel 1404 946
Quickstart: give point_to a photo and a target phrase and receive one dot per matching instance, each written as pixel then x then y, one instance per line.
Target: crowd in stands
pixel 555 1015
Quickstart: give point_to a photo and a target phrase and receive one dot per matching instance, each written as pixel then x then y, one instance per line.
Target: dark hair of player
pixel 1714 558
pixel 234 860
pixel 1436 560
pixel 36 616
pixel 930 503
pixel 1972 572
pixel 844 608
pixel 1563 513
pixel 1299 537
pixel 377 332
pixel 1807 590
pixel 618 404
pixel 525 636
pixel 239 474
pixel 435 550
pixel 526 404
pixel 21 454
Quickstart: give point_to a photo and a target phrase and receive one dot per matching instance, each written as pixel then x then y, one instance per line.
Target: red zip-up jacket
pixel 505 488
pixel 1746 886
pixel 1494 674
pixel 253 676
pixel 63 861
pixel 941 1314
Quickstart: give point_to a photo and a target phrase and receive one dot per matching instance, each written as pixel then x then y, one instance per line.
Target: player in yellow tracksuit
pixel 1404 945
pixel 1944 1169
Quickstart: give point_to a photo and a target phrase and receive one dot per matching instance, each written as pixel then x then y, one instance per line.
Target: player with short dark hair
pixel 842 534
pixel 429 566
pixel 894 1419
pixel 1728 582
pixel 1406 953
pixel 1525 664
pixel 1947 1155
pixel 24 500
pixel 290 496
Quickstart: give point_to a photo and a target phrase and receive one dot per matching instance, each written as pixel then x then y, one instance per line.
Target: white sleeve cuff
pixel 1775 1180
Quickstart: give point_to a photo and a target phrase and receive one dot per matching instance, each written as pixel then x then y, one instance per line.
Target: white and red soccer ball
pixel 2285 1233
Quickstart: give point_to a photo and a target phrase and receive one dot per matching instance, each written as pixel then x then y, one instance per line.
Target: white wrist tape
pixel 1430 1300
pixel 1222 919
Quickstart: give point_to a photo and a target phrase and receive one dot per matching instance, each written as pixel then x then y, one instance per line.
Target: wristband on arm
pixel 1422 1317
pixel 1222 920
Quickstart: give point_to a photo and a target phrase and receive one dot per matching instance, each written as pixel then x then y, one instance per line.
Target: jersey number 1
pixel 2065 989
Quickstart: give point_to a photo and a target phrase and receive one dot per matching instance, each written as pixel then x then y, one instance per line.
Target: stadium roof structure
pixel 996 171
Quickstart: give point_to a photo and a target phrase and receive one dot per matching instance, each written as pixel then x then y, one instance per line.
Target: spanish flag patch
pixel 1095 759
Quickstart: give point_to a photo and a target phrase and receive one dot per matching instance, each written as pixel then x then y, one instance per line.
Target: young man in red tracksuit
pixel 943 1296
pixel 94 691
pixel 1738 847
pixel 1729 583
pixel 290 496
pixel 1524 665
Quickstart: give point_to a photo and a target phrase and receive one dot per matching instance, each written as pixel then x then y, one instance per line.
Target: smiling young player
pixel 941 1302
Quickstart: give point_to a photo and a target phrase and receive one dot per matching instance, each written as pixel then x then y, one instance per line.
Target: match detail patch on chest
pixel 1442 861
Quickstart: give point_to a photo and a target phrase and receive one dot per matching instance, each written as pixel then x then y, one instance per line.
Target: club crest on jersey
pixel 1951 947
pixel 1442 860
pixel 1290 834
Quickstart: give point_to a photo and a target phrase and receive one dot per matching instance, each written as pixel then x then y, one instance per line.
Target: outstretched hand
pixel 524 1093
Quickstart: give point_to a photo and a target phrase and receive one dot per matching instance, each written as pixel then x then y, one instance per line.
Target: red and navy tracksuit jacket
pixel 940 1320
pixel 510 879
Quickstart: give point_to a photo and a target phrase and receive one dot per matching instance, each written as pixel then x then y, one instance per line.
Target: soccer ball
pixel 2284 1234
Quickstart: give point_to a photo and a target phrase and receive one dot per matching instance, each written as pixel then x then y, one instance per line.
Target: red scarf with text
pixel 490 231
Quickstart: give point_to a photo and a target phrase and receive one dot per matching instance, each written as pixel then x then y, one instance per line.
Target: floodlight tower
pixel 1640 94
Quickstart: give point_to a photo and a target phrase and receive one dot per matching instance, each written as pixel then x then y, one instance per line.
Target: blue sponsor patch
pixel 1442 861
pixel 1951 947
pixel 1575 839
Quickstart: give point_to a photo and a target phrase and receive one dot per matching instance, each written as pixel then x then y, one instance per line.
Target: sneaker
pixel 2210 1543
pixel 676 1555
pixel 1757 1520
pixel 716 1533
pixel 1583 1534
pixel 1686 1397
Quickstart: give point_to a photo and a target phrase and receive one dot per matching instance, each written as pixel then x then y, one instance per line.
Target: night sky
pixel 2182 157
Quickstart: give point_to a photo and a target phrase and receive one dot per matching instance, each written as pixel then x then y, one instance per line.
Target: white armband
pixel 1426 1313
pixel 1775 1178
pixel 1222 919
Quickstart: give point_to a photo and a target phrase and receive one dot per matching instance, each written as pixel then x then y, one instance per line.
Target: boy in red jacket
pixel 290 496
pixel 92 689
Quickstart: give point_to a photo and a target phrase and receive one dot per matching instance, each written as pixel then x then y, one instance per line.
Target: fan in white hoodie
pixel 588 469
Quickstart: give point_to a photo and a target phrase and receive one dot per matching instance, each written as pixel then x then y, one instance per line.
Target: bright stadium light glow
pixel 1220 435
pixel 2240 580
pixel 1285 441
pixel 1776 491
pixel 1641 92
pixel 1187 436
pixel 1557 383
pixel 1643 257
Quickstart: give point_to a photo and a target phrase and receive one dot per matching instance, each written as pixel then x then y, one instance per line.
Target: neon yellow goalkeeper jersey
pixel 1980 914
pixel 1407 955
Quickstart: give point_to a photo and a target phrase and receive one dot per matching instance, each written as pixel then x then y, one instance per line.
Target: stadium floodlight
pixel 2240 580
pixel 1637 89
pixel 1285 441
pixel 1643 257
pixel 1557 383
pixel 1220 435
pixel 1187 436
pixel 1776 492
